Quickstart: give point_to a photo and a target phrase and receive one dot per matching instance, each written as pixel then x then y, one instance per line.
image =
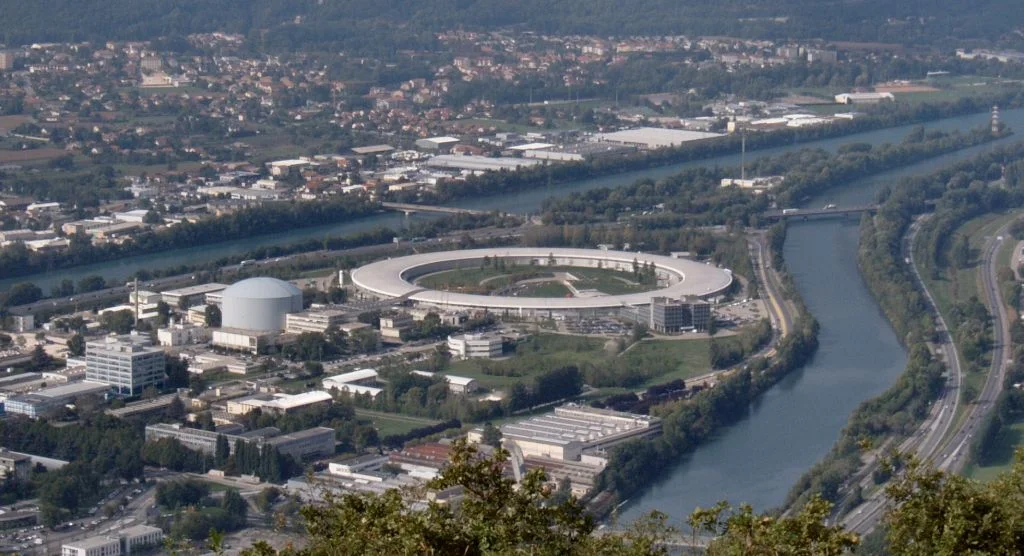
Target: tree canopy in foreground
pixel 931 513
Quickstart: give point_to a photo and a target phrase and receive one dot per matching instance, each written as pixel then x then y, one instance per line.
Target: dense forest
pixel 393 24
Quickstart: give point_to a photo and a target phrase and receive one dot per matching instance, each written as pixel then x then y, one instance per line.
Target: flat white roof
pixel 196 290
pixel 343 378
pixel 387 278
pixel 358 389
pixel 298 400
pixel 654 137
pixel 532 147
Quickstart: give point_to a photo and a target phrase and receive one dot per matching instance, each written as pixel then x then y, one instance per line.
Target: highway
pixel 929 443
pixel 956 458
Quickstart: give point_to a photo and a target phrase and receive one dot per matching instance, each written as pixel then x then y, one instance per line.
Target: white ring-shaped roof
pixel 390 278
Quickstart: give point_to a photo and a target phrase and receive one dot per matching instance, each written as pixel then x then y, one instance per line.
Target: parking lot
pixel 742 312
pixel 601 327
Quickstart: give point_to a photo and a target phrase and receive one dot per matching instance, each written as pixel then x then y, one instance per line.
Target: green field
pixel 545 289
pixel 680 358
pixel 393 423
pixel 484 280
pixel 1010 438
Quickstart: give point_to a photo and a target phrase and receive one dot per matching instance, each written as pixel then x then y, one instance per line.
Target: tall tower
pixel 995 120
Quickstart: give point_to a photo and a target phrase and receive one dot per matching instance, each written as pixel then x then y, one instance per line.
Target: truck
pixel 790 211
pixel 247 262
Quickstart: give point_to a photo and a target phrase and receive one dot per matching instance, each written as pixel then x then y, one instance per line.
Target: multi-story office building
pixel 128 363
pixel 675 315
pixel 35 404
pixel 314 442
pixel 467 346
pixel 313 321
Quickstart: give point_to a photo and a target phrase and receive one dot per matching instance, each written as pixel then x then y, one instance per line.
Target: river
pixel 794 424
pixel 524 202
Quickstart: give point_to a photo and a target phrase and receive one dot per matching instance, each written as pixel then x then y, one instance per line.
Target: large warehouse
pixel 395 278
pixel 260 304
pixel 653 137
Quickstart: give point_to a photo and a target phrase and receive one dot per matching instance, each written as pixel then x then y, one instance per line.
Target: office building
pixel 133 540
pixel 13 464
pixel 182 334
pixel 6 60
pixel 129 364
pixel 313 321
pixel 278 404
pixel 192 295
pixel 92 546
pixel 467 346
pixel 671 316
pixel 316 442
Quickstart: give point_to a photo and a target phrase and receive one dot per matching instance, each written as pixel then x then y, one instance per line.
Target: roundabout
pixel 675 278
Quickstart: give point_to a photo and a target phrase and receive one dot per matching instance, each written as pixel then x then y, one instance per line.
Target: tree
pixel 23 293
pixel 491 435
pixel 152 217
pixel 163 313
pixel 176 409
pixel 213 316
pixel 222 450
pixel 496 516
pixel 76 346
pixel 742 532
pixel 939 513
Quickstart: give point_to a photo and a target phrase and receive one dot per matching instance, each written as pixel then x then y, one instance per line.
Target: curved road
pixel 927 444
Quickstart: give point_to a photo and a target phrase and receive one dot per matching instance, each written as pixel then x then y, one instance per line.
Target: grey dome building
pixel 259 304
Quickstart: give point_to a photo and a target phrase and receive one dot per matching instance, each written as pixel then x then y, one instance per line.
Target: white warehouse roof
pixel 354 376
pixel 654 137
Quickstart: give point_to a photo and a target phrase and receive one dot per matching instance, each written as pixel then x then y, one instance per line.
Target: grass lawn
pixel 392 423
pixel 684 358
pixel 690 357
pixel 1009 439
pixel 470 279
pixel 545 289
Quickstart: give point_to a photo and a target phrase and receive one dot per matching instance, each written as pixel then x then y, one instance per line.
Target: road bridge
pixel 807 214
pixel 410 208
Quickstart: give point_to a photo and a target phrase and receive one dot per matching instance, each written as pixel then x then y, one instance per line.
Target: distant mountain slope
pixel 930 21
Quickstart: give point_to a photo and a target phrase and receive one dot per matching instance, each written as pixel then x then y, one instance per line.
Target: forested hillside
pixel 363 22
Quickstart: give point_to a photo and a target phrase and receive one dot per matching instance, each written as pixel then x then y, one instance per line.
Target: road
pixel 90 299
pixel 778 308
pixel 956 458
pixel 928 443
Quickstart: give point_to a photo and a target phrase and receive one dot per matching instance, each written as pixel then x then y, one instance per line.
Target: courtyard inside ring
pixel 676 278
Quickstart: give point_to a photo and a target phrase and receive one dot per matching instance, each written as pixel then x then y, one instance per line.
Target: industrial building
pixel 192 295
pixel 278 404
pixel 572 429
pixel 653 137
pixel 473 163
pixel 456 384
pixel 356 383
pixel 437 144
pixel 471 346
pixel 395 278
pixel 314 442
pixel 129 363
pixel 313 321
pixel 37 403
pixel 669 316
pixel 864 98
pixel 260 304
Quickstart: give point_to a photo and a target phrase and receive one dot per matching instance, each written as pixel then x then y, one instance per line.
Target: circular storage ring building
pixel 259 304
pixel 394 279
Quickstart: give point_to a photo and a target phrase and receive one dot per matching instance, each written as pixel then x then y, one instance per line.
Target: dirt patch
pixel 8 123
pixel 29 155
pixel 904 88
